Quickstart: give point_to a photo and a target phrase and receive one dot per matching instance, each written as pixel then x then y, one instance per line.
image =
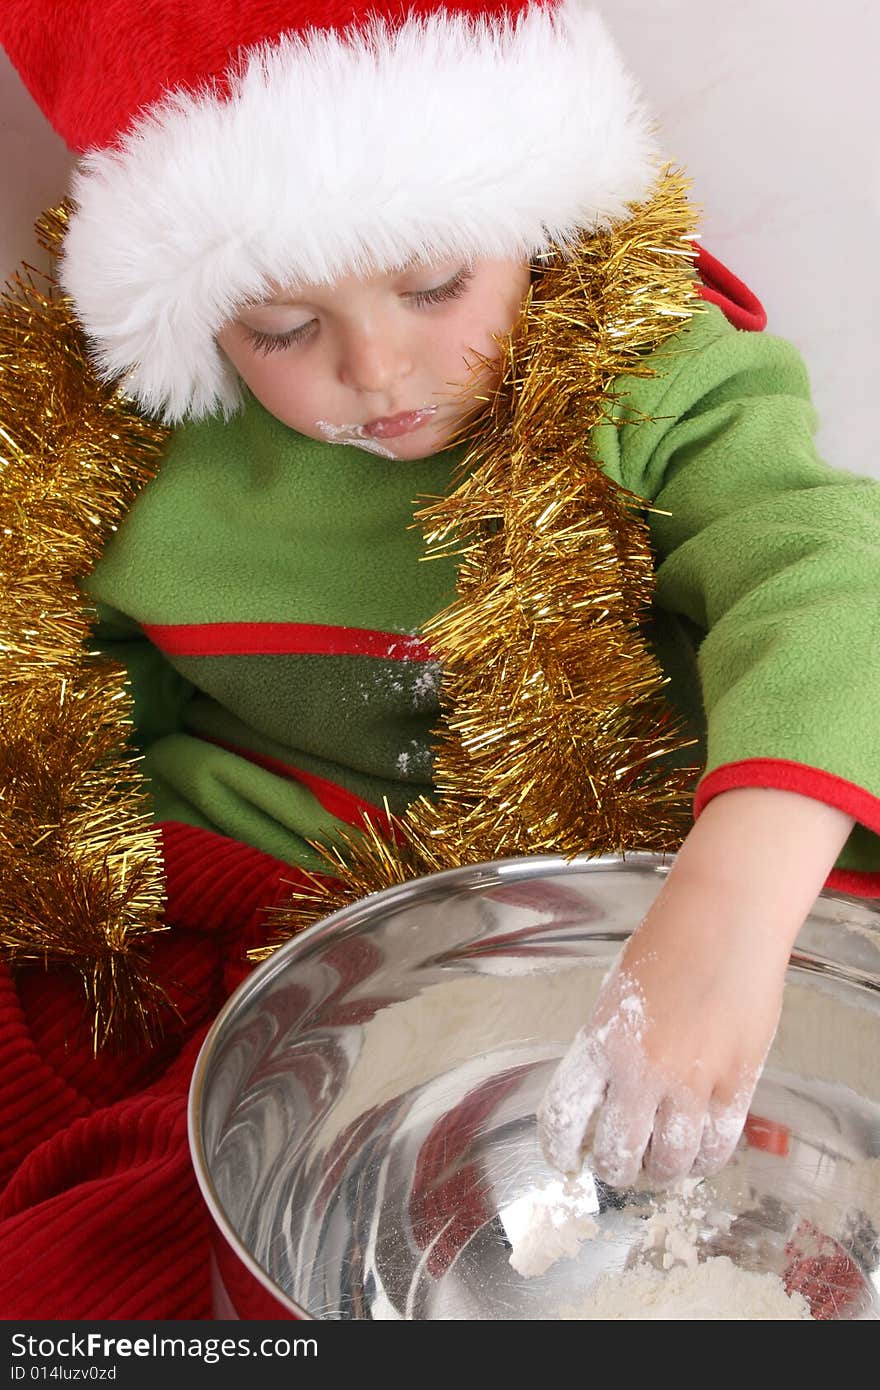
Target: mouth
pixel 390 426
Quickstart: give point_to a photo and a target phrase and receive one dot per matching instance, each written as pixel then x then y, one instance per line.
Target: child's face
pixel 379 361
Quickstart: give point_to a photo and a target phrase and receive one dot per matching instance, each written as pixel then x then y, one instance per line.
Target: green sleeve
pixel 158 692
pixel 770 557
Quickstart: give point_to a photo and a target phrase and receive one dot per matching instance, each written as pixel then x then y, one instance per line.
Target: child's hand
pixel 664 1071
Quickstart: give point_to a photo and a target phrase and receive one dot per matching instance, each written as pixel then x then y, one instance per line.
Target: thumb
pixel 574 1094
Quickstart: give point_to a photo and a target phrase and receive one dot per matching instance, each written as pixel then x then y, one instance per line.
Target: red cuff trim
pixel 854 882
pixel 720 286
pixel 783 775
pixel 283 639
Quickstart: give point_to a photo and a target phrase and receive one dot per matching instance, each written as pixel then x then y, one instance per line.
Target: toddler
pixel 301 238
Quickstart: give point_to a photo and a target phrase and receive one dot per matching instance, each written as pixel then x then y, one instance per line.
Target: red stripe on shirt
pixel 283 639
pixel 345 805
pixel 783 775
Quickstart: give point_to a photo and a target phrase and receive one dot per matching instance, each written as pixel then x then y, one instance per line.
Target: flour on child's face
pixel 354 435
pixel 331 360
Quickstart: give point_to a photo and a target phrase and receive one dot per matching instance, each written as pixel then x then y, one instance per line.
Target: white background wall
pixel 770 104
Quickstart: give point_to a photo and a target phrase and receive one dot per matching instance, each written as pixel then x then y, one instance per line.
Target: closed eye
pixel 273 342
pixel 452 289
pixel 276 342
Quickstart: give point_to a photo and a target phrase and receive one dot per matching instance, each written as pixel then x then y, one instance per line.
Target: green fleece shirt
pixel 267 592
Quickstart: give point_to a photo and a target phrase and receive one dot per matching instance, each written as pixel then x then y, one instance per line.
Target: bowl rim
pixel 349 918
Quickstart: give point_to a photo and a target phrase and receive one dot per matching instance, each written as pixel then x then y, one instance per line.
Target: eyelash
pixel 269 342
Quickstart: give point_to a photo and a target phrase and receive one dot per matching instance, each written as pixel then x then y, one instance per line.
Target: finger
pixel 569 1103
pixel 623 1129
pixel 676 1138
pixel 721 1131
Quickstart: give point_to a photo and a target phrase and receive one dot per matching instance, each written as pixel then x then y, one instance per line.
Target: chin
pixel 415 455
pixel 422 444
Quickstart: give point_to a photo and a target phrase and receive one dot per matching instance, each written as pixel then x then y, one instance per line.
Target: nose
pixel 374 359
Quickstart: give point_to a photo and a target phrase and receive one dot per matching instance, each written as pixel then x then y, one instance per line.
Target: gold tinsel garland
pixel 553 718
pixel 80 869
pixel 554 723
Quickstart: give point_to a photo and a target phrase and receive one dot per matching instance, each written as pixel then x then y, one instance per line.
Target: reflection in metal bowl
pixel 362 1115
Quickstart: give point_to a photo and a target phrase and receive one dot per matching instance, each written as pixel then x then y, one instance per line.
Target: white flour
pixel 550 1225
pixel 669 1281
pixel 672 1229
pixel 353 435
pixel 715 1290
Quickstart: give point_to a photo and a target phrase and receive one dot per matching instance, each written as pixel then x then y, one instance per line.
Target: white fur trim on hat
pixel 337 153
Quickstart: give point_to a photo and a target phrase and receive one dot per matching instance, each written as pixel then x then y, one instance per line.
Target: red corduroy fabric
pixel 100 1214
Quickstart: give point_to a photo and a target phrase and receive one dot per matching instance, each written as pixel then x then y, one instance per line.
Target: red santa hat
pixel 226 145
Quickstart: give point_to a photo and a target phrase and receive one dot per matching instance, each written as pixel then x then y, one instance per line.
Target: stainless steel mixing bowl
pixel 362 1114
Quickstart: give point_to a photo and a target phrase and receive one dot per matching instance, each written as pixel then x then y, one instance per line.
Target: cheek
pixel 495 309
pixel 491 315
pixel 451 346
pixel 289 390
